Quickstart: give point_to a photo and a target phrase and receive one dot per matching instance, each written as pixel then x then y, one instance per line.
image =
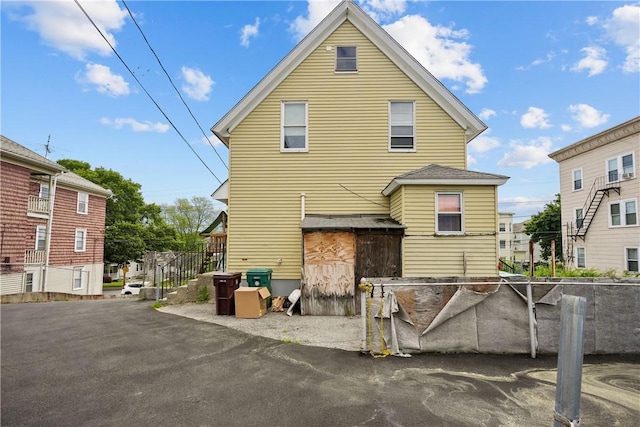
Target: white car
pixel 132 288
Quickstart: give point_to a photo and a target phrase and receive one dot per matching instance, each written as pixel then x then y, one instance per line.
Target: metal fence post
pixel 570 355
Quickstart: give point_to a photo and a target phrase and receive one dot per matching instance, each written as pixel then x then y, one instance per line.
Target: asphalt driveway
pixel 121 363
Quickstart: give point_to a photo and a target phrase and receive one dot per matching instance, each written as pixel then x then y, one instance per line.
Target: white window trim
pixel 620 169
pixel 335 58
pixel 402 150
pixel 84 240
pixel 40 193
pixel 575 216
pixel 623 214
pixel 85 196
pixel 44 232
pixel 585 257
pixel 573 180
pixel 450 233
pixel 306 128
pixel 81 271
pixel 505 227
pixel 626 258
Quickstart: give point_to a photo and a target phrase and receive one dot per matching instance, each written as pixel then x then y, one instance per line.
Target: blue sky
pixel 541 75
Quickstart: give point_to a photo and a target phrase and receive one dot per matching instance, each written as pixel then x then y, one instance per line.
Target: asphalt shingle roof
pixel 434 171
pixel 349 222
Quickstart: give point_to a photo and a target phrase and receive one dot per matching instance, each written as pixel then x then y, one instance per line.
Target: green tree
pixel 546 226
pixel 189 217
pixel 132 226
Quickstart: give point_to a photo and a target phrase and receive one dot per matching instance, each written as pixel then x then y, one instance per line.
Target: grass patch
pixel 116 284
pixel 157 304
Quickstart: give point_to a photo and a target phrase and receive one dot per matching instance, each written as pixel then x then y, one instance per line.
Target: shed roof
pixel 443 175
pixel 350 222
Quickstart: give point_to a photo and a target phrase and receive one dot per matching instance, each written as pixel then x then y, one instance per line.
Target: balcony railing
pixel 32 256
pixel 38 205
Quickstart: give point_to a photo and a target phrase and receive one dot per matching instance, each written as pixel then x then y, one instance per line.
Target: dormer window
pixel 346 58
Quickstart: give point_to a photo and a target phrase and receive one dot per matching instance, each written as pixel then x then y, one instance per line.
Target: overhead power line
pixel 145 90
pixel 172 84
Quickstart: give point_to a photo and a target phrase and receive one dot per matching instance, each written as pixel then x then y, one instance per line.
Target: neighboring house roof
pixel 14 152
pixel 349 11
pixel 220 219
pixel 443 175
pixel 349 222
pixel 221 194
pixel 77 182
pixel 608 136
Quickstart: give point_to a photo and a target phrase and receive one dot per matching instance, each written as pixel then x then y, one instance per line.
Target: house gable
pixel 349 11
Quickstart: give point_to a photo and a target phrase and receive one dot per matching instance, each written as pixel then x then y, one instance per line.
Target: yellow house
pixel 348 160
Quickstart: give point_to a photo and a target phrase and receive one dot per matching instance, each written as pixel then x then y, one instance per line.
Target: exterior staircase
pixel 191 291
pixel 601 187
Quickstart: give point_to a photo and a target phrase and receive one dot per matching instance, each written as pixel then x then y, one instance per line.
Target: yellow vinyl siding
pixel 425 254
pixel 348 163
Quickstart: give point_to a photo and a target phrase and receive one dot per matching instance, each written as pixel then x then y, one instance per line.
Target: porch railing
pixel 37 204
pixel 33 256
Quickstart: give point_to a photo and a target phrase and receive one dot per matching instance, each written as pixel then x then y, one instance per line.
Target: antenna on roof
pixel 47 149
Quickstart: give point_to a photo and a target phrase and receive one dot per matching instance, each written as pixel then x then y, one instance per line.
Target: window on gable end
pixel 83 203
pixel 346 58
pixel 401 126
pixel 294 126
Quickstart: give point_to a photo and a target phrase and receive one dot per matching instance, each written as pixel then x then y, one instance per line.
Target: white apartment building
pixel 599 190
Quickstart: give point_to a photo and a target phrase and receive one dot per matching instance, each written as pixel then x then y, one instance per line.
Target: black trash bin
pixel 226 284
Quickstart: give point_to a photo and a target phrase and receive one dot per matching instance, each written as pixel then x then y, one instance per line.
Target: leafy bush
pixel 203 294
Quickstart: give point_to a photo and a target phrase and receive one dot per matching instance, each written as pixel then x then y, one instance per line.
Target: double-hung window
pixel 44 191
pixel 81 240
pixel 78 275
pixel 346 58
pixel 83 203
pixel 502 227
pixel 402 126
pixel 294 126
pixel 623 213
pixel 576 175
pixel 449 213
pixel 581 257
pixel 41 238
pixel 579 217
pixel 631 259
pixel 621 167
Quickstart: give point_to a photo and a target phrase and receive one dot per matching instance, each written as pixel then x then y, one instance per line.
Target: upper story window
pixel 621 167
pixel 502 227
pixel 579 217
pixel 346 58
pixel 577 179
pixel 449 213
pixel 294 126
pixel 623 213
pixel 503 244
pixel 44 191
pixel 83 203
pixel 81 240
pixel 41 238
pixel 401 126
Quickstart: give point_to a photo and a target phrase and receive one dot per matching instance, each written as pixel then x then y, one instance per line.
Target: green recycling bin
pixel 259 277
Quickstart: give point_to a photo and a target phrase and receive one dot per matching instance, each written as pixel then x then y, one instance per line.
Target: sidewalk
pixel 339 332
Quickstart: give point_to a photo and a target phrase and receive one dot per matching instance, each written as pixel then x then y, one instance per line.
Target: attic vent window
pixel 346 58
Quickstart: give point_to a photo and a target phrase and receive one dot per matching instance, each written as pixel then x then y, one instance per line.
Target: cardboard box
pixel 251 302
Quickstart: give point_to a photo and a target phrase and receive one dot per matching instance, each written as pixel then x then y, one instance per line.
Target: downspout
pixel 303 199
pixel 53 181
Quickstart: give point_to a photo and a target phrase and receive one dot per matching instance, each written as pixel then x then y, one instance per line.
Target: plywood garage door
pixel 328 274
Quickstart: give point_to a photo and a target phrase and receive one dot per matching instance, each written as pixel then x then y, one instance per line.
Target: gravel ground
pixel 339 332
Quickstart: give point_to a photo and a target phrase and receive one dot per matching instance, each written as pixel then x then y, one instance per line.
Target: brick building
pixel 51 226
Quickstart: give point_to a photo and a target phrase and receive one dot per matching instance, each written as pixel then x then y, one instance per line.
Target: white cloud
pixel 104 80
pixel 538 61
pixel 535 118
pixel 587 116
pixel 135 125
pixel 383 9
pixel 622 27
pixel 317 10
pixel 471 160
pixel 441 50
pixel 523 204
pixel 527 155
pixel 486 113
pixel 197 84
pixel 592 20
pixel 63 26
pixel 566 128
pixel 595 60
pixel 212 140
pixel 483 143
pixel 249 31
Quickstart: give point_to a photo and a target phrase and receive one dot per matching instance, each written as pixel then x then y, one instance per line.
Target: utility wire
pixel 172 84
pixel 145 90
